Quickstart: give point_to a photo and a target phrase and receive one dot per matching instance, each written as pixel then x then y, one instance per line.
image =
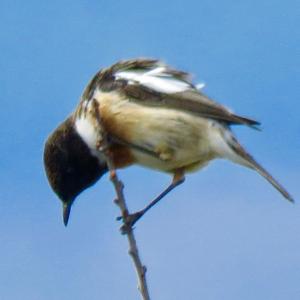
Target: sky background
pixel 226 233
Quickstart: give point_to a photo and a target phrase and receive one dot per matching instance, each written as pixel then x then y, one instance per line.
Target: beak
pixel 66 211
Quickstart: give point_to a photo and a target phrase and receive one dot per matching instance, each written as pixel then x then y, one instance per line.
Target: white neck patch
pixel 86 131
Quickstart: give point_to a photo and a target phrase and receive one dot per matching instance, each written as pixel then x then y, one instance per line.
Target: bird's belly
pixel 190 164
pixel 178 139
pixel 176 144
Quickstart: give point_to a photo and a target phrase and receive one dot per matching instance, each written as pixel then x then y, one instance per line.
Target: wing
pixel 151 82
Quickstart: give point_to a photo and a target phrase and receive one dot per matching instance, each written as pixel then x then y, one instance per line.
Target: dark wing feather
pixel 105 79
pixel 190 100
pixel 197 102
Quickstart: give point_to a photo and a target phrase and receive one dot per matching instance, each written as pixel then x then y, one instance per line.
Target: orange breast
pixel 121 156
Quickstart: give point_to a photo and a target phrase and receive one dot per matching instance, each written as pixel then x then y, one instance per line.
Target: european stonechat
pixel 154 116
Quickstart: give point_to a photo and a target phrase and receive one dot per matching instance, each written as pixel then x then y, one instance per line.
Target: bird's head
pixel 70 165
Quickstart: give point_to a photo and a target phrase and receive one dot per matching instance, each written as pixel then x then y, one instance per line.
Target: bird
pixel 153 116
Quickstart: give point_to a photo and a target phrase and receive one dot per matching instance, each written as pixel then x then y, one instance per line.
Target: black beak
pixel 66 212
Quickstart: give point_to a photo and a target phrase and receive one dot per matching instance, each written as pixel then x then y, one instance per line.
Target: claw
pixel 133 218
pixel 130 220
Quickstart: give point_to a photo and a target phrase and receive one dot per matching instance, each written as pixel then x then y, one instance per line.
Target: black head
pixel 69 165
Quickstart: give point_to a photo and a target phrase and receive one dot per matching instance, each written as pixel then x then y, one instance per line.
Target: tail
pixel 246 121
pixel 249 161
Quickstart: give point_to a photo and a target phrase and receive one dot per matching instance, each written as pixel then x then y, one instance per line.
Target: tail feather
pixel 247 121
pixel 250 161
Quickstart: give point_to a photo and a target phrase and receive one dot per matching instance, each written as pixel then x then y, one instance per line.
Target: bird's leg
pixel 178 179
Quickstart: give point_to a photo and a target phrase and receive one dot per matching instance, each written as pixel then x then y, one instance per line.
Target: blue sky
pixel 224 234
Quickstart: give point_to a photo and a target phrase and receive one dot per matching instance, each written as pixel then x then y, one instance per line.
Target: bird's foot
pixel 130 220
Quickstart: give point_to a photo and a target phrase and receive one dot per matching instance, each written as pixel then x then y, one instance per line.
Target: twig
pixel 126 229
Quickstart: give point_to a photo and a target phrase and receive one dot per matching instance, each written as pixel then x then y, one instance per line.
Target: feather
pixel 153 83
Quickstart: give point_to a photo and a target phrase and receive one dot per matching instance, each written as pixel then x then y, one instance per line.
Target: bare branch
pixel 126 229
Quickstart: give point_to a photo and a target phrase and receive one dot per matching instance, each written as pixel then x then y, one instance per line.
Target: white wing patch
pixel 157 79
pixel 200 86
